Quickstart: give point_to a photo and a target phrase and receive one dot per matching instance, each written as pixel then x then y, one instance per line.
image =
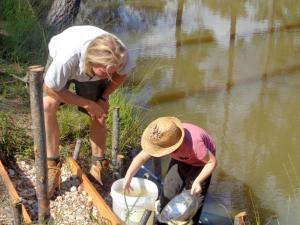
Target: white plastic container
pixel 130 208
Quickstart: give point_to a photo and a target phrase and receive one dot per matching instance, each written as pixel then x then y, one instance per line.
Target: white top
pixel 67 50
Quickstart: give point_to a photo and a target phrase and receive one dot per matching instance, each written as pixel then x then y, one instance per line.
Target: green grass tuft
pixel 15 139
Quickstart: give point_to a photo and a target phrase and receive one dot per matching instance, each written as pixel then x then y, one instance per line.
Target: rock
pixel 64 178
pixel 89 199
pixel 30 202
pixel 80 188
pixel 11 172
pixel 73 189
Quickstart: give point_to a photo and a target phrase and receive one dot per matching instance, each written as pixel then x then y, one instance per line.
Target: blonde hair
pixel 105 50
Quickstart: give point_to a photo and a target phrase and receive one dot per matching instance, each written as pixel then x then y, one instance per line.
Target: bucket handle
pixel 127 207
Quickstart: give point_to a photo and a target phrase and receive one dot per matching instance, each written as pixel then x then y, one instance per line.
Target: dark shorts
pixel 180 176
pixel 91 90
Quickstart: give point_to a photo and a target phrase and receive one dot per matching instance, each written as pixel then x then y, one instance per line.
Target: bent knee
pixel 50 104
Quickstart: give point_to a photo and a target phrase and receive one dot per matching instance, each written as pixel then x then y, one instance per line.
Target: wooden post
pixel 37 114
pixel 120 164
pixel 240 218
pixel 145 217
pixel 115 136
pixel 17 211
pixel 77 149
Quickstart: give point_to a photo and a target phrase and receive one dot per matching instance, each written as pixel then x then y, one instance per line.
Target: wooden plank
pixel 103 209
pixel 13 193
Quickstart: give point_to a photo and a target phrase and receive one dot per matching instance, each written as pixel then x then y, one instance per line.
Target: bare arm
pixel 135 165
pixel 210 163
pixel 65 96
pixel 114 84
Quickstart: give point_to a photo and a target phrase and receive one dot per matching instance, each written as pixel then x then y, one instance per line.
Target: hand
pixel 196 188
pixel 96 111
pixel 104 105
pixel 126 185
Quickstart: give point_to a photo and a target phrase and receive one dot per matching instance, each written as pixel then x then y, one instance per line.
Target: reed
pixel 255 210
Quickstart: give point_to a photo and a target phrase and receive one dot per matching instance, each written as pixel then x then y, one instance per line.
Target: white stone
pixel 73 189
pixel 11 172
pixel 64 178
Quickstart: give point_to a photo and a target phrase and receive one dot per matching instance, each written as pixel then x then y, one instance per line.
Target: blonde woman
pixel 97 62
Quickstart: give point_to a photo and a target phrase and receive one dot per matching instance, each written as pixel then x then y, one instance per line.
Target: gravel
pixel 6 212
pixel 72 205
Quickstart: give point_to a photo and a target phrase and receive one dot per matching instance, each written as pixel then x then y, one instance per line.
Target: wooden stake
pixel 17 211
pixel 39 138
pixel 120 164
pixel 115 136
pixel 145 217
pixel 77 149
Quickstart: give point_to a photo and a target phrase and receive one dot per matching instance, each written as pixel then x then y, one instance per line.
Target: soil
pixel 6 212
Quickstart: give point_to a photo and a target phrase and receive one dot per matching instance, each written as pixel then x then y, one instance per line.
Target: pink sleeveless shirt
pixel 195 146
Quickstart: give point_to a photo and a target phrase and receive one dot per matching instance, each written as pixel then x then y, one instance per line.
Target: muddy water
pixel 233 68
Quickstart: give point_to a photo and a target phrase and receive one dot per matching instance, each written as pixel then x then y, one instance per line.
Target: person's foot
pixel 53 177
pixel 98 169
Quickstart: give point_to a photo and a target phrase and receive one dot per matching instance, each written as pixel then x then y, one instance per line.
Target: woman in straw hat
pixel 192 153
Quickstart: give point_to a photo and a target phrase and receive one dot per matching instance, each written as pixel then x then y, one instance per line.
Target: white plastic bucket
pixel 130 208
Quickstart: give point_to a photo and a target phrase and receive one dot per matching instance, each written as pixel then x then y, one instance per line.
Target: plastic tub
pixel 130 208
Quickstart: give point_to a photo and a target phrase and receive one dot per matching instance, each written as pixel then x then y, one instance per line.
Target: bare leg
pixel 98 140
pixel 51 126
pixel 52 139
pixel 98 137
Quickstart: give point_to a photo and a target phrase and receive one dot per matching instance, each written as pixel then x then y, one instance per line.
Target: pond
pixel 232 67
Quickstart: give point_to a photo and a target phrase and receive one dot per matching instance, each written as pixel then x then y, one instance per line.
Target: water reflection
pixel 262 58
pixel 232 67
pixel 225 192
pixel 120 16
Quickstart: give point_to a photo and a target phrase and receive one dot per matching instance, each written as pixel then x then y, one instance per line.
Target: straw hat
pixel 162 136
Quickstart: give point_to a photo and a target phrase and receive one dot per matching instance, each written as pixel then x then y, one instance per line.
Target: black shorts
pixel 181 176
pixel 91 90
